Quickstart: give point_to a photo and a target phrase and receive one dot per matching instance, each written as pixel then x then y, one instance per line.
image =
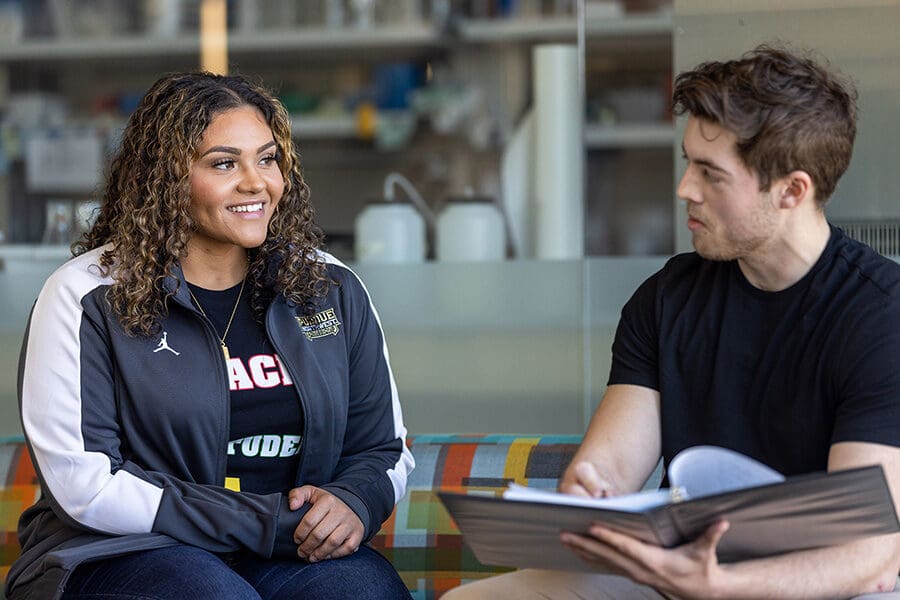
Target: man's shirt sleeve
pixel 635 351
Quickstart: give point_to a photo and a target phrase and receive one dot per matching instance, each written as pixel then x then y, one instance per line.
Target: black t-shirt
pixel 779 376
pixel 266 415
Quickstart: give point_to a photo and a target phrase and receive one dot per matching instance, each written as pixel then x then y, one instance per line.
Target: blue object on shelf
pixel 394 82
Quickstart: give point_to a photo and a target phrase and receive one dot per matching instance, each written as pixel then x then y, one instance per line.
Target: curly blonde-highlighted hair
pixel 145 215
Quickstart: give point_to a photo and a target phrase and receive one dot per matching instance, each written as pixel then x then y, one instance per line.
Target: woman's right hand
pixel 329 529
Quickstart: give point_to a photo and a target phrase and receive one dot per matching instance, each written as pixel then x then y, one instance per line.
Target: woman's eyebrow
pixel 236 151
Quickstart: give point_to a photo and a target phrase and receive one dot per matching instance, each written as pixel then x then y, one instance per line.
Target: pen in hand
pixel 585 480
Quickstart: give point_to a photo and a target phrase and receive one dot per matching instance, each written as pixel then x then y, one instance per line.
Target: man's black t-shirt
pixel 266 416
pixel 779 376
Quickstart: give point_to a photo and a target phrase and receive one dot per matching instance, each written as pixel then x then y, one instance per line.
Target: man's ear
pixel 796 188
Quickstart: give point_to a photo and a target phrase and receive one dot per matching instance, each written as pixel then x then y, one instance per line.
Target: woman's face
pixel 235 182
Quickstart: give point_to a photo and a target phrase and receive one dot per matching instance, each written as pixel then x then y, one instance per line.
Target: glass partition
pixel 23 270
pixel 507 347
pixel 485 347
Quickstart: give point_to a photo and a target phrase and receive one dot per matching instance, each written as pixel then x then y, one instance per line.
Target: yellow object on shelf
pixel 214 37
pixel 366 120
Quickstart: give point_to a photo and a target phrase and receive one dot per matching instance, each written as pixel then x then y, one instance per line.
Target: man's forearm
pixel 623 439
pixel 864 566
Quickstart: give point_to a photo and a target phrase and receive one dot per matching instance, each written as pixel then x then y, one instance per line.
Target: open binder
pixel 768 514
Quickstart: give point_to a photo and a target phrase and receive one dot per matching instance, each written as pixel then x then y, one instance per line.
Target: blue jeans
pixel 186 572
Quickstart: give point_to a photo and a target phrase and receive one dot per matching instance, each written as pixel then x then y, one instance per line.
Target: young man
pixel 779 337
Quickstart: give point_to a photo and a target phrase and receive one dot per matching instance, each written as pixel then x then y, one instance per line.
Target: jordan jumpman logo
pixel 164 344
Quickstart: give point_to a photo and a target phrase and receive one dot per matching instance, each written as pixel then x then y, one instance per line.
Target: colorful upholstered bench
pixel 19 489
pixel 419 539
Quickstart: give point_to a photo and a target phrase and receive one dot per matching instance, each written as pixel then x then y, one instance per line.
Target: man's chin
pixel 710 251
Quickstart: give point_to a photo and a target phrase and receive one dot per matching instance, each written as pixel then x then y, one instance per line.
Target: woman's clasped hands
pixel 329 529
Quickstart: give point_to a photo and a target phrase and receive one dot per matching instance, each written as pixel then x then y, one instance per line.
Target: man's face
pixel 729 217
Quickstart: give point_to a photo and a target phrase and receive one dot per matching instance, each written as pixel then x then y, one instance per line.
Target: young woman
pixel 206 395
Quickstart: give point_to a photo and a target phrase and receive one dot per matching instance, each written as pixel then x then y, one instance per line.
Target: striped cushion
pixel 18 490
pixel 421 540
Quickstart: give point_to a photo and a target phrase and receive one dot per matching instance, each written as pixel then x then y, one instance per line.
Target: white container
pixel 164 17
pixel 558 153
pixel 389 232
pixel 471 229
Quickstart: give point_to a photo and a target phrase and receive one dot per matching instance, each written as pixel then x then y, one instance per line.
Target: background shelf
pixel 629 135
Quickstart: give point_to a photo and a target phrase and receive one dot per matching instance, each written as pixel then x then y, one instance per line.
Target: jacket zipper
pixel 301 396
pixel 221 457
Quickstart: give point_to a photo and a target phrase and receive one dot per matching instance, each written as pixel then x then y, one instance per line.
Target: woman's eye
pixel 223 163
pixel 269 159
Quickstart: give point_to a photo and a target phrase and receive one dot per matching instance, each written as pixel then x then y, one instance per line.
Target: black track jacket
pixel 128 434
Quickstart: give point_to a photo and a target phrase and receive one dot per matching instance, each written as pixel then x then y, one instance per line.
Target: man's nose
pixel 686 188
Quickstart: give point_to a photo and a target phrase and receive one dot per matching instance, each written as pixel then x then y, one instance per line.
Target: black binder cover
pixel 805 511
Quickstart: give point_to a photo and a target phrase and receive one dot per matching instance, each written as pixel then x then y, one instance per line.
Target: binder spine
pixel 665 527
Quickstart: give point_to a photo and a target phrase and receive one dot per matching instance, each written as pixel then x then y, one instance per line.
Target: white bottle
pixel 471 228
pixel 389 232
pixel 164 17
pixel 335 14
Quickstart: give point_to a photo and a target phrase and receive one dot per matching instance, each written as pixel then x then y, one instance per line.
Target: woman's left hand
pixel 329 529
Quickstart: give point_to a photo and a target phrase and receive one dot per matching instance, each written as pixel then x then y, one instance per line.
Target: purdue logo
pixel 319 325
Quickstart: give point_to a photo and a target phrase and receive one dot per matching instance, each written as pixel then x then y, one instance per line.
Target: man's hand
pixel 583 479
pixel 330 529
pixel 621 447
pixel 688 571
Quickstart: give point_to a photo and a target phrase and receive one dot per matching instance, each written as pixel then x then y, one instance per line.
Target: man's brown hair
pixel 788 112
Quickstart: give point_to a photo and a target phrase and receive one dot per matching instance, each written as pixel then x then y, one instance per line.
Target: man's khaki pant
pixel 537 584
pixel 534 584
